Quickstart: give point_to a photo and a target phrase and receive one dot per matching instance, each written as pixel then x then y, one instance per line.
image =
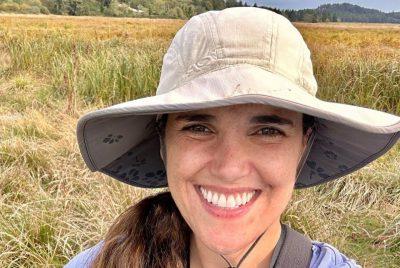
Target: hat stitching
pixel 189 64
pixel 216 38
pixel 197 65
pixel 205 27
pixel 179 57
pixel 268 41
pixel 275 26
pixel 271 37
pixel 212 25
pixel 300 68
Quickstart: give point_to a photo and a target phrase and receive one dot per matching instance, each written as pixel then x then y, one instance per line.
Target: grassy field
pixel 54 69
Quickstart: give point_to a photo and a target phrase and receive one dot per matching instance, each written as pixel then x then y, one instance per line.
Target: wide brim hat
pixel 238 55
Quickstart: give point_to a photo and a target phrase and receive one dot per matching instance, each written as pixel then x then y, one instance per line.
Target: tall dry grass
pixel 54 69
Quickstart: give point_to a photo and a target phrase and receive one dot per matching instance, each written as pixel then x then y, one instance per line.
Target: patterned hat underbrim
pixel 121 140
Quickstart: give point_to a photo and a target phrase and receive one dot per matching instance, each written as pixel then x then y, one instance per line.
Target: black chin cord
pixel 245 255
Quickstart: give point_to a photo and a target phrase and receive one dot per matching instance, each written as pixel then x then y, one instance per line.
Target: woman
pixel 234 127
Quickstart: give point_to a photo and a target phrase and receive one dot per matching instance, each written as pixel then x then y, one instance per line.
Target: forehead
pixel 245 110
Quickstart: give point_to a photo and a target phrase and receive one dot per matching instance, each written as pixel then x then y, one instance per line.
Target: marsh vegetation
pixel 55 69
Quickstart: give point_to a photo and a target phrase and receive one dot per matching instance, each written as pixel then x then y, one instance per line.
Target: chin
pixel 225 241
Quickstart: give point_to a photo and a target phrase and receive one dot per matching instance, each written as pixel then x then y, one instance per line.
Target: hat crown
pixel 239 35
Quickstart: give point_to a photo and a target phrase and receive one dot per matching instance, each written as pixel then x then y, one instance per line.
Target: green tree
pixel 106 3
pixel 59 6
pixel 325 17
pixel 189 11
pixel 218 4
pixel 314 18
pixel 74 7
pixel 231 3
pixel 307 17
pixel 208 5
pixel 180 13
pixel 291 15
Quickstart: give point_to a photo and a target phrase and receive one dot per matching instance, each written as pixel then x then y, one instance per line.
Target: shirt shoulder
pixel 327 256
pixel 83 259
pixel 324 256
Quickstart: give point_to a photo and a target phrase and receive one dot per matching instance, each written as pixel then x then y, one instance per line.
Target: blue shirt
pixel 324 256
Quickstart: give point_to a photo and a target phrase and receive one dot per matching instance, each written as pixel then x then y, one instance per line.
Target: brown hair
pixel 152 233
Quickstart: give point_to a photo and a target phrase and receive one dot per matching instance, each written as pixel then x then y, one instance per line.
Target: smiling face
pixel 231 170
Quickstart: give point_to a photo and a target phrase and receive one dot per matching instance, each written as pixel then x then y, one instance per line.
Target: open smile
pixel 227 203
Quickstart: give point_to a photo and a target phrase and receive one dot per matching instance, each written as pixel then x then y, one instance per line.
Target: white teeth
pixel 222 201
pixel 209 196
pixel 215 199
pixel 232 201
pixel 248 197
pixel 238 200
pixel 244 198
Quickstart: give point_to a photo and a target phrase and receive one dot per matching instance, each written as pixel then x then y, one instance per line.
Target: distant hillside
pixel 395 15
pixel 339 12
pixel 353 13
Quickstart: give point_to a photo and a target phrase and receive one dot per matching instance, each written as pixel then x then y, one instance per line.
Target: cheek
pixel 277 164
pixel 185 158
pixel 183 164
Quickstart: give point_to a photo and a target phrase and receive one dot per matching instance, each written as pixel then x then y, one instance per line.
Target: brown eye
pixel 269 131
pixel 200 129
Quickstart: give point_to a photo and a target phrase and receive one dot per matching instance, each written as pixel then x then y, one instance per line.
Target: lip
pixel 226 212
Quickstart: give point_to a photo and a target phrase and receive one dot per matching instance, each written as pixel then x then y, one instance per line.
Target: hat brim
pixel 121 140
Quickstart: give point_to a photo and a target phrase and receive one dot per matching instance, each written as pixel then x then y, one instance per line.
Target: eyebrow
pixel 271 119
pixel 259 119
pixel 195 117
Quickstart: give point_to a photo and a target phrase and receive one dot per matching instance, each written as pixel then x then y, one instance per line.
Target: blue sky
pixel 384 5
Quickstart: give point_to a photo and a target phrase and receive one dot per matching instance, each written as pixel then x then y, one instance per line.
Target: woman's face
pixel 231 170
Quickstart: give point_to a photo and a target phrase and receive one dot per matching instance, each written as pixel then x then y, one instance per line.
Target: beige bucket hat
pixel 234 56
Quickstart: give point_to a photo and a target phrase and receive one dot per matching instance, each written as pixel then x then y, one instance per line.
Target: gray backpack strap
pixel 294 250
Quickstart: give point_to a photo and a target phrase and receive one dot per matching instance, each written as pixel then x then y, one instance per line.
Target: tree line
pixel 184 9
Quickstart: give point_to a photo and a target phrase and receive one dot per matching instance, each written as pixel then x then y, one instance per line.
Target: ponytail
pixel 151 233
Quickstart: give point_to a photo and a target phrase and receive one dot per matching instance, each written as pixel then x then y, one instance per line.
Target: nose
pixel 231 160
